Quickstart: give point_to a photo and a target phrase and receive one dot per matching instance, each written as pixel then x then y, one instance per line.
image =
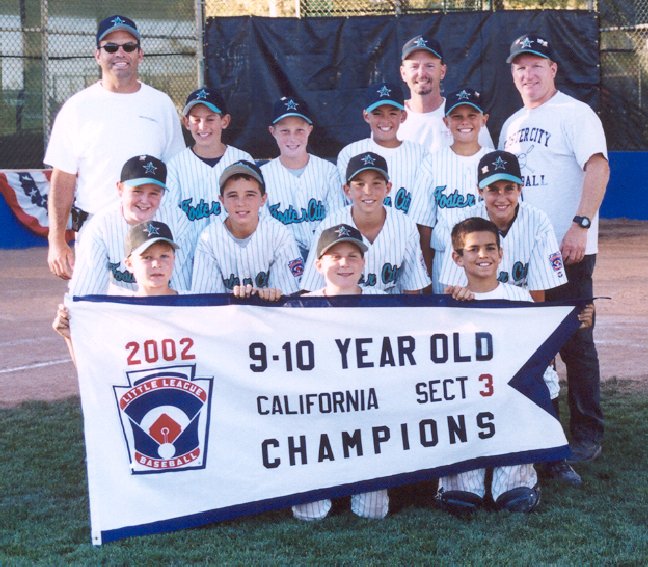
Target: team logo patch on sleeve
pixel 556 262
pixel 164 414
pixel 296 267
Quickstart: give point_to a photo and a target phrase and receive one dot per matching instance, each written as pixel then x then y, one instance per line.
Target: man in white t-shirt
pixel 97 130
pixel 423 69
pixel 562 151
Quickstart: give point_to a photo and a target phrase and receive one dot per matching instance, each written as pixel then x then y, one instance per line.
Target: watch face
pixel 583 222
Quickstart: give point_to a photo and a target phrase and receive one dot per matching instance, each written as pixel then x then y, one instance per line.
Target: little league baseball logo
pixel 556 262
pixel 164 414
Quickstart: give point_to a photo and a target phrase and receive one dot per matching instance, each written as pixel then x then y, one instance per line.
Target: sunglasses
pixel 114 47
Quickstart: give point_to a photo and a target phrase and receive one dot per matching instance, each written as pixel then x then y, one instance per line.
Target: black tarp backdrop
pixel 329 62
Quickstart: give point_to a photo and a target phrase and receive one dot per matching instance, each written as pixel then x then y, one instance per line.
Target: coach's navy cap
pixel 142 236
pixel 366 162
pixel 290 106
pixel 496 166
pixel 209 97
pixel 384 93
pixel 139 170
pixel 422 42
pixel 117 23
pixel 242 167
pixel 530 43
pixel 337 234
pixel 464 96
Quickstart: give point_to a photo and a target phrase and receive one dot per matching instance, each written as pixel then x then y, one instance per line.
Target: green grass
pixel 44 511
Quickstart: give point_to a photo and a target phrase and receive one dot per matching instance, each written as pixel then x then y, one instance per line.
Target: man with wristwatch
pixel 562 151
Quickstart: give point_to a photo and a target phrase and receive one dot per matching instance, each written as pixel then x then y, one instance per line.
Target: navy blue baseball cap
pixel 384 93
pixel 290 106
pixel 209 97
pixel 368 161
pixel 496 166
pixel 117 23
pixel 422 42
pixel 464 96
pixel 530 43
pixel 242 167
pixel 140 170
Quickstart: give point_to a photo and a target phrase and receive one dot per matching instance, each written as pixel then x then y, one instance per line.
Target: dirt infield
pixel 35 364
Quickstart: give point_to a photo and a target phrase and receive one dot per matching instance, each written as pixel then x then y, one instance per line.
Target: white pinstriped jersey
pixel 393 262
pixel 99 263
pixel 193 186
pixel 403 166
pixel 453 187
pixel 267 258
pixel 531 256
pixel 301 203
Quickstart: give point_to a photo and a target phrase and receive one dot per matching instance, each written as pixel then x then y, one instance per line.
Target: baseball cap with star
pixel 530 43
pixel 142 236
pixel 117 23
pixel 463 96
pixel 367 161
pixel 496 166
pixel 384 93
pixel 139 170
pixel 337 234
pixel 423 42
pixel 209 97
pixel 290 106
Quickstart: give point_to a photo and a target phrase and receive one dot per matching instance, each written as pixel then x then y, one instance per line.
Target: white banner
pixel 201 408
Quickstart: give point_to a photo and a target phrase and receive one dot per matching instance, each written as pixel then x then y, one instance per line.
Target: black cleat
pixel 521 499
pixel 458 502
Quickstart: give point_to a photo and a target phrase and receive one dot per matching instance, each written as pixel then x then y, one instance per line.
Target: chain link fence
pixel 47 47
pixel 47 54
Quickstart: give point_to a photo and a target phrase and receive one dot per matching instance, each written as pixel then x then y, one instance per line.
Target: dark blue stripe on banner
pixel 370 300
pixel 250 508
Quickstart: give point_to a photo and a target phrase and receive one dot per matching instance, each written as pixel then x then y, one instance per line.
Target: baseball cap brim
pixel 295 114
pixel 150 242
pixel 143 181
pixel 361 245
pixel 407 52
pixel 511 57
pixel 389 102
pixel 499 177
pixel 120 27
pixel 193 103
pixel 464 103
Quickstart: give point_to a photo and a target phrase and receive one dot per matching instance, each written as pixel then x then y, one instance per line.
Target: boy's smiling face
pixel 367 190
pixel 501 199
pixel 464 123
pixel 139 202
pixel 206 126
pixel 384 122
pixel 242 199
pixel 480 257
pixel 291 134
pixel 342 267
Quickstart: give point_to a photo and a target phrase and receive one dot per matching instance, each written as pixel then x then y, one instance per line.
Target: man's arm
pixel 60 256
pixel 597 174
